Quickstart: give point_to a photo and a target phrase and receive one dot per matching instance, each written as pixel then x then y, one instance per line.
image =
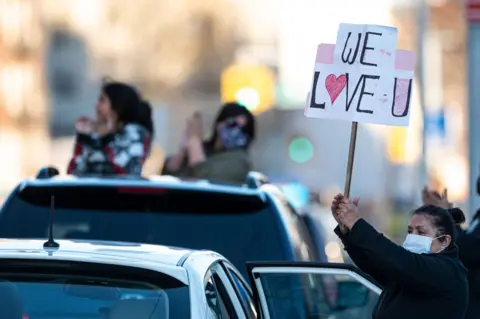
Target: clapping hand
pixel 183 142
pixel 88 126
pixel 194 126
pixel 85 125
pixel 345 212
pixel 194 133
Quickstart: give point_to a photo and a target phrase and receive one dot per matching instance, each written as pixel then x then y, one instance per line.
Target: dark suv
pixel 244 223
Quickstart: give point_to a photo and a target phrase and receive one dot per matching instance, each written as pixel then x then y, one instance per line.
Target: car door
pixel 221 295
pixel 243 291
pixel 304 290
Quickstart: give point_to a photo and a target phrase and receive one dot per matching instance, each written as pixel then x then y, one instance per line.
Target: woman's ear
pixel 447 241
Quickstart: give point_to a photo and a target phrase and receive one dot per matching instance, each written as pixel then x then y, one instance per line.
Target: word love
pixel 341 85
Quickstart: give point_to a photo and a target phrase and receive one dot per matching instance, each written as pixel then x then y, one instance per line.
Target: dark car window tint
pixel 217 296
pixel 313 295
pixel 245 296
pixel 50 295
pixel 305 236
pixel 223 294
pixel 214 300
pixel 240 228
pixel 303 245
pixel 316 232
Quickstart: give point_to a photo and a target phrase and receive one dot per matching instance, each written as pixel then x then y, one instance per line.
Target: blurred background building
pixel 187 55
pixel 24 107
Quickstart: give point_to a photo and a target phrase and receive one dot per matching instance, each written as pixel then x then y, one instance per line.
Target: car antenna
pixel 51 243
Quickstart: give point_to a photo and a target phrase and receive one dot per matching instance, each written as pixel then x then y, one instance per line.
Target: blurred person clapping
pixel 422 279
pixel 224 157
pixel 468 245
pixel 118 140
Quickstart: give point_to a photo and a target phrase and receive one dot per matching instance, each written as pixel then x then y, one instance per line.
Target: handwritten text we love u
pixel 369 80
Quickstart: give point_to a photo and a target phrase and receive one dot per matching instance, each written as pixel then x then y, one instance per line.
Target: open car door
pixel 305 290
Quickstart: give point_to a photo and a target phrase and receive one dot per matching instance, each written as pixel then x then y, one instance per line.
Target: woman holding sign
pixel 424 278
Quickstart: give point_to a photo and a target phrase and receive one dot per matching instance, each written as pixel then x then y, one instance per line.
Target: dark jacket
pixel 414 285
pixel 469 252
pixel 120 153
pixel 226 166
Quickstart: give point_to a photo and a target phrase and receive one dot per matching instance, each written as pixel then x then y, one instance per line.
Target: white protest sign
pixel 363 78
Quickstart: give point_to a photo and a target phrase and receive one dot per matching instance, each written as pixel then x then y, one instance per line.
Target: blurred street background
pixel 189 55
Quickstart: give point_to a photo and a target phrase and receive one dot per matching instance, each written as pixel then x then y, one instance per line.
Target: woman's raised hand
pixel 430 197
pixel 194 126
pixel 334 207
pixel 345 211
pixel 336 201
pixel 85 125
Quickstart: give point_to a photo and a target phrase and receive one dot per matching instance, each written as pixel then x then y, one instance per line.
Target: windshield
pixel 55 296
pixel 241 228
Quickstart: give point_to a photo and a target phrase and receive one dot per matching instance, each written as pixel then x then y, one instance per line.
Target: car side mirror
pixel 351 294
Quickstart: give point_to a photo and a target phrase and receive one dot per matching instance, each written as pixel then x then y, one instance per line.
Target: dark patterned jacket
pixel 120 153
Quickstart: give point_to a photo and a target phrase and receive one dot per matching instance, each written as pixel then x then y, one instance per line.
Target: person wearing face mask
pixel 222 158
pixel 118 141
pixel 424 278
pixel 468 242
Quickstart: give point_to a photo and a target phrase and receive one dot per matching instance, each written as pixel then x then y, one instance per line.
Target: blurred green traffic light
pixel 300 150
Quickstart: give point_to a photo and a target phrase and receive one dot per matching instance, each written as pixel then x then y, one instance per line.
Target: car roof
pixel 164 259
pixel 151 181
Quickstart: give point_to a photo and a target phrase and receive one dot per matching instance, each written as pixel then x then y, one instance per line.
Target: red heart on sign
pixel 335 85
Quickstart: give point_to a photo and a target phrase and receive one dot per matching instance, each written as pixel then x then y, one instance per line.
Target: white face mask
pixel 419 244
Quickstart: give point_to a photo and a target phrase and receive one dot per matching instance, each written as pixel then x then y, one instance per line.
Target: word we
pixel 349 58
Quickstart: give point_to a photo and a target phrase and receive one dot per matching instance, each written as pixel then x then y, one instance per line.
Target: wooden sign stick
pixel 351 158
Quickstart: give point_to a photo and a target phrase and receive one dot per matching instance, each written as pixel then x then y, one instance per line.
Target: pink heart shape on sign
pixel 335 85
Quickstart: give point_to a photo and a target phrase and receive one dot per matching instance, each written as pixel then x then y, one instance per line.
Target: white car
pixel 116 280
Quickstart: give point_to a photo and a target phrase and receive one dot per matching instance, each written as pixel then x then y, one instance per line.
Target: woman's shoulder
pixel 450 262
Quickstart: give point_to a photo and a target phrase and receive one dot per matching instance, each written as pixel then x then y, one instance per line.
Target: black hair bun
pixel 457 215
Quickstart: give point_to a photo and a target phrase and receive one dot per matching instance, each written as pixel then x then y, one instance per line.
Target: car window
pixel 304 247
pixel 303 295
pixel 61 295
pixel 217 296
pixel 244 294
pixel 304 234
pixel 214 301
pixel 241 228
pixel 317 234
